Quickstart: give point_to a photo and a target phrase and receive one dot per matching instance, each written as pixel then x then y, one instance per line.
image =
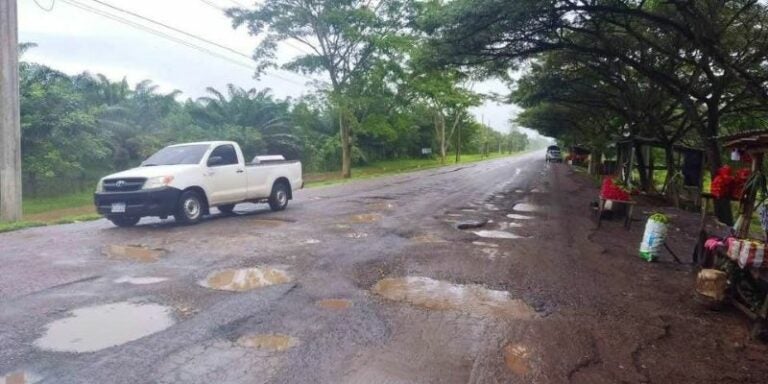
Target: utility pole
pixel 10 124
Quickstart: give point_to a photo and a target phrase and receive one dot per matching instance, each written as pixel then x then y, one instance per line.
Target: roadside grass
pixel 79 207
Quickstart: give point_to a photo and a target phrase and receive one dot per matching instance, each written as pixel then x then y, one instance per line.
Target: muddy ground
pixel 371 282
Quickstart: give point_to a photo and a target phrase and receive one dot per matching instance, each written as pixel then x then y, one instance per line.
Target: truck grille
pixel 124 184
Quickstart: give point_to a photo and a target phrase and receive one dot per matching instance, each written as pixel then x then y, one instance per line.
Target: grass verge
pixel 79 207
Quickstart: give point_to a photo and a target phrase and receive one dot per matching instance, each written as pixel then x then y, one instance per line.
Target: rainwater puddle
pixel 491 207
pixel 506 225
pixel 525 207
pixel 312 241
pixel 515 216
pixel 245 279
pixel 140 253
pixel 337 304
pixel 442 295
pixel 485 244
pixel 269 342
pixel 365 218
pixel 516 357
pixel 356 235
pixel 140 280
pixel 95 328
pixel 497 234
pixel 428 238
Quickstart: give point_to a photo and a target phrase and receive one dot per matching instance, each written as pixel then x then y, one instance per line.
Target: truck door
pixel 226 180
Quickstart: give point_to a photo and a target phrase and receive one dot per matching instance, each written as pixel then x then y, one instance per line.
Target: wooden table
pixel 630 206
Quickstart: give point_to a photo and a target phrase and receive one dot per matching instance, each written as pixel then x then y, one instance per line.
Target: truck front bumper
pixel 150 202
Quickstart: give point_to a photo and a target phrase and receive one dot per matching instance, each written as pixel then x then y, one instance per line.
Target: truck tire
pixel 226 209
pixel 189 209
pixel 278 199
pixel 124 221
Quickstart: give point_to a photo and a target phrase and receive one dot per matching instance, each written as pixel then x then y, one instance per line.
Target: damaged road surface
pixel 485 273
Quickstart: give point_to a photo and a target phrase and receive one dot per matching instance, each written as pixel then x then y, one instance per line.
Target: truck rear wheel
pixel 189 209
pixel 124 221
pixel 278 200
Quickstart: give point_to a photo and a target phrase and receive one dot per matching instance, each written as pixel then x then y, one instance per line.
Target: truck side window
pixel 227 154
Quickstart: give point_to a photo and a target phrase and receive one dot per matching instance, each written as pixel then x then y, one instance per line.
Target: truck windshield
pixel 183 154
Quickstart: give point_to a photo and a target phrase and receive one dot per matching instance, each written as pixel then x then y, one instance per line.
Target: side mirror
pixel 215 160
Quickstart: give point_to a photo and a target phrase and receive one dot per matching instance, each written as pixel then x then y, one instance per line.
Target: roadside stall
pixel 733 267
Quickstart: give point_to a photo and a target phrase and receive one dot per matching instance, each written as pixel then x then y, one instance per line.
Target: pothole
pixel 95 328
pixel 245 279
pixel 491 207
pixel 497 234
pixel 516 358
pixel 365 218
pixel 485 244
pixel 506 225
pixel 442 295
pixel 525 207
pixel 515 216
pixel 312 241
pixel 140 280
pixel 471 223
pixel 140 253
pixel 356 235
pixel 269 342
pixel 336 304
pixel 428 238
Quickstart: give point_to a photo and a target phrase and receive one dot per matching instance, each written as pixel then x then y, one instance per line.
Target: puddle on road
pixel 484 244
pixel 515 216
pixel 269 342
pixel 140 253
pixel 245 279
pixel 337 304
pixel 506 225
pixel 365 218
pixel 140 280
pixel 497 234
pixel 95 328
pixel 356 235
pixel 442 295
pixel 428 238
pixel 312 241
pixel 525 207
pixel 516 357
pixel 491 207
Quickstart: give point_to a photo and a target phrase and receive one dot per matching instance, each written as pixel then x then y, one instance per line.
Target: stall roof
pixel 754 139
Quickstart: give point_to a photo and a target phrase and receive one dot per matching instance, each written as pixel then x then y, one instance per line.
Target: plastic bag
pixel 653 239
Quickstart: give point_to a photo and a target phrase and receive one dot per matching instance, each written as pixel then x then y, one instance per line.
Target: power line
pixel 212 5
pixel 48 9
pixel 167 37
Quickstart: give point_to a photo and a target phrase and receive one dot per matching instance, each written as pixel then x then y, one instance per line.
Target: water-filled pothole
pixel 245 279
pixel 269 342
pixel 497 234
pixel 95 328
pixel 356 235
pixel 365 218
pixel 337 304
pixel 525 207
pixel 485 244
pixel 140 253
pixel 515 216
pixel 516 357
pixel 140 280
pixel 442 295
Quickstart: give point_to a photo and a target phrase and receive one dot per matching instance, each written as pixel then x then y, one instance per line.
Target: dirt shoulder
pixel 645 322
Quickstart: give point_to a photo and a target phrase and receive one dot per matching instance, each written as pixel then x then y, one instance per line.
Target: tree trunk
pixel 594 162
pixel 722 207
pixel 346 148
pixel 441 124
pixel 642 167
pixel 671 191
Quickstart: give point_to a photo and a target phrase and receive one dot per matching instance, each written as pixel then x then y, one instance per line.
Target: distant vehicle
pixel 186 180
pixel 553 154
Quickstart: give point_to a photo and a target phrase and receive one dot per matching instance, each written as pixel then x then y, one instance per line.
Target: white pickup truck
pixel 186 180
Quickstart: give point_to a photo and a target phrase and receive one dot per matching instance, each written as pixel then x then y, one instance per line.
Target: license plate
pixel 118 207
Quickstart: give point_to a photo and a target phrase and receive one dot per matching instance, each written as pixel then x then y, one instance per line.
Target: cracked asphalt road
pixel 549 305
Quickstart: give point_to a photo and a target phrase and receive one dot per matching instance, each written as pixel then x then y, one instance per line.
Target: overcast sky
pixel 74 40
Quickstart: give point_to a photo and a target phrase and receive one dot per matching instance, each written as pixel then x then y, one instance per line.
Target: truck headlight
pixel 157 182
pixel 100 186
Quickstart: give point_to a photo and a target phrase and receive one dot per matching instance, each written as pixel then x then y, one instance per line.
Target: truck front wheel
pixel 190 208
pixel 278 200
pixel 124 221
